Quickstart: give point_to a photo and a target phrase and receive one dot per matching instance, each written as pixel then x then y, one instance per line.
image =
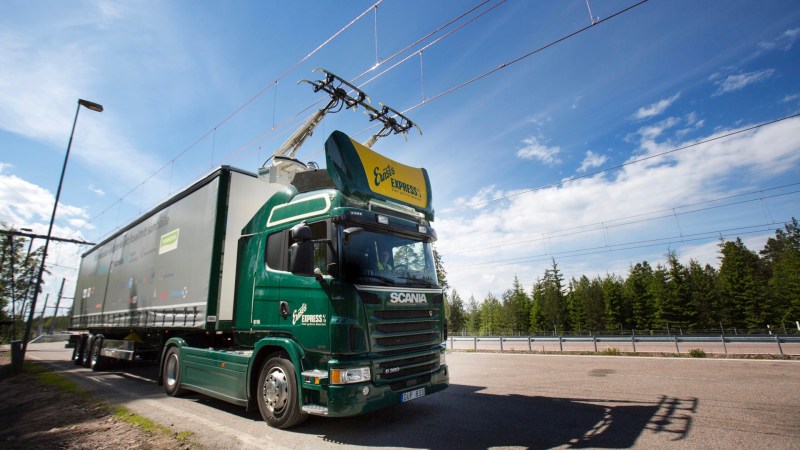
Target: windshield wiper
pixel 386 280
pixel 418 282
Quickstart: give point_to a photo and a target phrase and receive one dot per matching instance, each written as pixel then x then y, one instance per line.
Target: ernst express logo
pixel 407 297
pixel 386 174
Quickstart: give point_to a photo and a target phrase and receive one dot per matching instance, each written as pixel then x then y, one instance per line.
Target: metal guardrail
pixel 631 341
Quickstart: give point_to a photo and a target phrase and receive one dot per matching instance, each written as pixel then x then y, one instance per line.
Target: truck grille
pixel 397 333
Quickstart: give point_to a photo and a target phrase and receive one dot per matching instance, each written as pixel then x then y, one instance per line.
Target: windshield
pixel 371 257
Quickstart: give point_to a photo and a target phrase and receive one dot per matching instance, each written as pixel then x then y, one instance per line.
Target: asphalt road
pixel 509 400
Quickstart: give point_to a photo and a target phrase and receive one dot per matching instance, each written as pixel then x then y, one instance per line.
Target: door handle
pixel 284 309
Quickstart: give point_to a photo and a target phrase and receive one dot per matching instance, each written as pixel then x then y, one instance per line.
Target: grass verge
pixel 120 412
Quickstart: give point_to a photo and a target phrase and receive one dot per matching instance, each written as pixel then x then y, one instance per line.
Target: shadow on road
pixel 463 417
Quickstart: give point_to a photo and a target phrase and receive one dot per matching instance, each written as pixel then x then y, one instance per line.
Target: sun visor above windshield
pixel 360 172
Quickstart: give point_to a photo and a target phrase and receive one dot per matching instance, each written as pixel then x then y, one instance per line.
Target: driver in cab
pixel 383 261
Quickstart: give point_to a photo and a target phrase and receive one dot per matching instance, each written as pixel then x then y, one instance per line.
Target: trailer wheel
pixel 277 393
pixel 96 360
pixel 171 375
pixel 86 358
pixel 77 352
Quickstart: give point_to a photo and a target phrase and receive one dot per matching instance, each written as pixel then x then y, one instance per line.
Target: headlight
pixel 347 376
pixel 442 359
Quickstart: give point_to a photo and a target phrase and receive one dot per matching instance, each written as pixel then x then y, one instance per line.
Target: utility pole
pixel 41 316
pixel 58 302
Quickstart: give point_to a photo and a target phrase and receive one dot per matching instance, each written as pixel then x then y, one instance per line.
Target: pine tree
pixel 553 303
pixel 676 307
pixel 781 256
pixel 618 311
pixel 517 308
pixel 741 289
pixel 659 290
pixel 473 316
pixel 538 321
pixel 18 272
pixel 491 316
pixel 577 291
pixel 456 319
pixel 703 295
pixel 441 273
pixel 640 276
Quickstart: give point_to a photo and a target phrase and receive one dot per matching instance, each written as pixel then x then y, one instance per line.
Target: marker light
pixel 348 376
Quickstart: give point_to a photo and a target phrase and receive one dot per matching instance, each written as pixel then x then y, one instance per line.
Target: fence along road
pixel 728 345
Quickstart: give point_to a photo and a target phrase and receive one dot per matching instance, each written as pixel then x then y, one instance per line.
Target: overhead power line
pixel 516 60
pixel 624 221
pixel 246 104
pixel 619 166
pixel 631 245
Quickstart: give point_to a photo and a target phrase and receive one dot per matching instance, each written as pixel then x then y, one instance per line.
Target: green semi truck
pixel 300 291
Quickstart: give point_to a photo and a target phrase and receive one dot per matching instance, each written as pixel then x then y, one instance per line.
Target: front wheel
pixel 277 393
pixel 171 375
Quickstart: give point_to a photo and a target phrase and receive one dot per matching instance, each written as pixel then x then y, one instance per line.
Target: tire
pixel 86 357
pixel 97 361
pixel 77 352
pixel 277 393
pixel 171 373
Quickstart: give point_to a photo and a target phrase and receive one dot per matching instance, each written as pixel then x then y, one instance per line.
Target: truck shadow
pixel 463 417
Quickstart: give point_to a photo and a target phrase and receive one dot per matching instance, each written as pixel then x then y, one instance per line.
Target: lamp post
pixel 94 107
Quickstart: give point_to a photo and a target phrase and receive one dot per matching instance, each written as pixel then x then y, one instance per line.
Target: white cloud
pixel 579 223
pixel 656 108
pixel 790 98
pixel 535 150
pixel 785 41
pixel 24 204
pixel 97 190
pixel 591 161
pixel 738 82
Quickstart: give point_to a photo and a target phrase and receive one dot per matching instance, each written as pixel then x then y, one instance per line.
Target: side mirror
pixel 300 232
pixel 301 258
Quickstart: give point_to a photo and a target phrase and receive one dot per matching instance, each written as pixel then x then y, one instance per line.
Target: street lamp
pixel 94 107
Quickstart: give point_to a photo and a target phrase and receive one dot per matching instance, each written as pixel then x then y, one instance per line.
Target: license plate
pixel 411 395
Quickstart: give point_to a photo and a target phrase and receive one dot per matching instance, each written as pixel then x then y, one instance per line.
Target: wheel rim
pixel 171 372
pixel 276 390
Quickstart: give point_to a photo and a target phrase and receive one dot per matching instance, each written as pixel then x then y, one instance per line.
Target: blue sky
pixel 188 86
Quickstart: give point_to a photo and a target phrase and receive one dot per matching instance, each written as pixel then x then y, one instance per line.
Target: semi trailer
pixel 297 290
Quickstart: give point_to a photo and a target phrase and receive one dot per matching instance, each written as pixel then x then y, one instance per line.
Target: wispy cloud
pixel 738 82
pixel 784 41
pixel 591 161
pixel 656 108
pixel 534 149
pixel 99 192
pixel 39 97
pixel 790 98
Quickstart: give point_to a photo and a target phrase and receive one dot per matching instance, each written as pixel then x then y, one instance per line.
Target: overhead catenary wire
pixel 608 224
pixel 386 60
pixel 631 245
pixel 249 101
pixel 515 60
pixel 619 166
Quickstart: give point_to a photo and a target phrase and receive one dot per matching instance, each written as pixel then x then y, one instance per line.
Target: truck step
pixel 317 410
